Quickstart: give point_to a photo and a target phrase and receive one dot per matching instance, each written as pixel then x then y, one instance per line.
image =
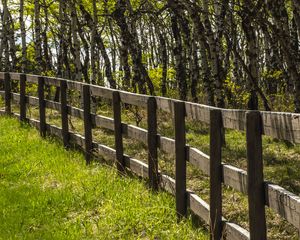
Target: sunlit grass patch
pixel 47 192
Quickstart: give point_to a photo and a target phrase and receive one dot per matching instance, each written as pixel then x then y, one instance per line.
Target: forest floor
pixel 47 192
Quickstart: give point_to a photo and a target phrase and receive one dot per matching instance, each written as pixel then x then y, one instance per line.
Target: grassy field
pixel 47 192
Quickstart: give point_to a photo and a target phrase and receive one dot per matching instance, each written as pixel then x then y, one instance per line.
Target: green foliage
pixel 156 75
pixel 237 96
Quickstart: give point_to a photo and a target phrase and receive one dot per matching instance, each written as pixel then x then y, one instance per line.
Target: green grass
pixel 47 192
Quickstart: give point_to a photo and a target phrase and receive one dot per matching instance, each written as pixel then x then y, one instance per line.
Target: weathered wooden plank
pixel 282 126
pixel 32 78
pixel 165 104
pixel 33 101
pixel 77 139
pixel 118 132
pixel 180 159
pixel 22 97
pixel 103 92
pixel 51 81
pixel 198 206
pixel 15 76
pixel 104 122
pixel 199 160
pixel 235 178
pixel 53 105
pixel 256 191
pixel 77 86
pixel 105 151
pixel 235 232
pixel 1 75
pixel 87 123
pixel 42 106
pixel 7 96
pixel 167 145
pixel 234 119
pixel 135 133
pixel 215 192
pixel 76 112
pixel 283 202
pixel 54 130
pixel 168 184
pixel 35 123
pixel 198 112
pixel 134 99
pixel 136 166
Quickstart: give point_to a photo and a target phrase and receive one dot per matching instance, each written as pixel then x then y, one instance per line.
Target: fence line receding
pixel 260 193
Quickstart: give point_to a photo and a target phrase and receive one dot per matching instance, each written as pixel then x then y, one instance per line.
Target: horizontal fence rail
pixel 260 193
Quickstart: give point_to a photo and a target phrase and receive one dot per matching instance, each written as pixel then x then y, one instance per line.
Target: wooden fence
pixel 251 182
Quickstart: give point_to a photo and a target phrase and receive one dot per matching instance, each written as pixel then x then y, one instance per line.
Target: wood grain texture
pixel 233 231
pixel 199 207
pixel 64 113
pixel 15 76
pixel 42 106
pixel 282 126
pixel 215 192
pixel 152 143
pixel 7 96
pixel 137 167
pixel 235 178
pixel 199 160
pixel 87 123
pixel 22 97
pixel 283 202
pixel 134 99
pixel 256 191
pixel 118 132
pixel 165 104
pixel 168 184
pixel 103 92
pixel 32 78
pixel 52 81
pixel 180 159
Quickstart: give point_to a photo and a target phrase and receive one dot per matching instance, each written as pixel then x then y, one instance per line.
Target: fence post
pixel 216 140
pixel 180 153
pixel 23 97
pixel 118 132
pixel 64 113
pixel 87 123
pixel 42 106
pixel 152 143
pixel 7 88
pixel 256 194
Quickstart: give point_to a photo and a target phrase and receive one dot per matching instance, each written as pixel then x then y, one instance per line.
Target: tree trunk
pixel 38 40
pixel 76 42
pixel 131 39
pixel 23 38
